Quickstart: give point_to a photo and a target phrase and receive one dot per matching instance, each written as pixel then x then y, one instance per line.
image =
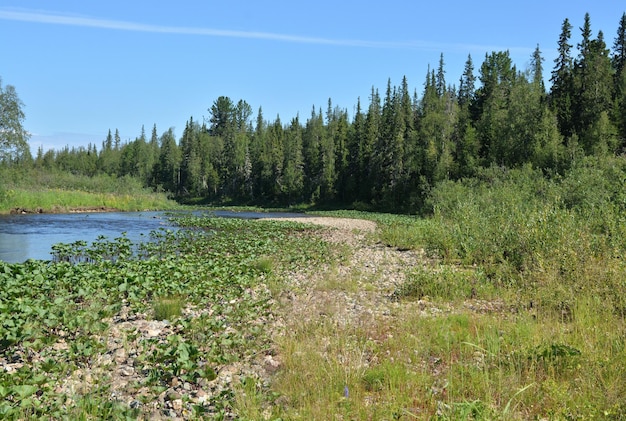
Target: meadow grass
pixel 66 200
pixel 49 191
pixel 529 283
pixel 168 308
pixel 518 312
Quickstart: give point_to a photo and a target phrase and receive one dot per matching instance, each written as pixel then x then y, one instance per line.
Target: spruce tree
pixel 562 93
pixel 293 173
pixel 618 62
pixel 594 83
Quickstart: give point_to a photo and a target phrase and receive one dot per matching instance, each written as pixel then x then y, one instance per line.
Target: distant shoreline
pixel 59 209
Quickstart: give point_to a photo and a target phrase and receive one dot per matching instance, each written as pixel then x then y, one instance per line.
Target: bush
pixel 553 238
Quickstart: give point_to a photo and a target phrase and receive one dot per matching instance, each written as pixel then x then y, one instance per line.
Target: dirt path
pixel 357 290
pixel 376 268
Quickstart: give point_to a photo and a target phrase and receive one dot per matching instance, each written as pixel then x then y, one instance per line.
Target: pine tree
pixel 353 176
pixel 273 178
pixel 536 70
pixel 562 92
pixel 168 166
pixel 191 175
pixel 258 158
pixel 293 173
pixel 497 75
pixel 338 130
pixel 366 148
pixel 618 62
pixel 440 84
pixel 312 139
pixel 467 145
pixel 467 84
pixel 593 81
pixel 118 140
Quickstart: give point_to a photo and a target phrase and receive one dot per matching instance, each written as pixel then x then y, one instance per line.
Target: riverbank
pixel 57 209
pixel 24 201
pixel 316 318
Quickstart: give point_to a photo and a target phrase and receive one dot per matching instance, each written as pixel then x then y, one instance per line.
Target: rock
pixel 120 355
pixel 127 371
pixel 270 364
pixel 177 404
pixel 172 395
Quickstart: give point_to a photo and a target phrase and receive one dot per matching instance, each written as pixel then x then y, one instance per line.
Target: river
pixel 32 236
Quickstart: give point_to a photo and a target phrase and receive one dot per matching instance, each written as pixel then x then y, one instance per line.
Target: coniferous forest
pixel 399 143
pixel 503 298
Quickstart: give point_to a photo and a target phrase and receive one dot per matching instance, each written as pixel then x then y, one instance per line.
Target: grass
pixel 168 308
pixel 64 201
pixel 518 314
pixel 518 311
pixel 61 192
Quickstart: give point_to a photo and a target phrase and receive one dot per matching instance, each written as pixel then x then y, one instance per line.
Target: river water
pixel 32 236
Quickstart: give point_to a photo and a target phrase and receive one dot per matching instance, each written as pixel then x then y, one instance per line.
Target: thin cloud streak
pixel 67 20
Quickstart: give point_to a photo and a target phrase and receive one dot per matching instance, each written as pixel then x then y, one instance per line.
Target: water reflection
pixel 32 236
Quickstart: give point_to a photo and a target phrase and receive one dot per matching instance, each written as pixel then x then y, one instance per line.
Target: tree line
pixel 396 146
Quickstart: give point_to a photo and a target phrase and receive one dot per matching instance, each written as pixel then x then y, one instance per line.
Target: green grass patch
pixel 168 308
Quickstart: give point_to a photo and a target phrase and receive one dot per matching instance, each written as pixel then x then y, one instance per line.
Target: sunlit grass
pixel 67 200
pixel 168 308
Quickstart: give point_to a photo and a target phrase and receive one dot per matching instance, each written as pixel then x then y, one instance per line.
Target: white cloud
pixel 73 20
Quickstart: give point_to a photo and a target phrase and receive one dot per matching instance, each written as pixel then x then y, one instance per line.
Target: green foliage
pixel 553 238
pixel 13 136
pixel 71 300
pixel 445 283
pixel 393 152
pixel 56 191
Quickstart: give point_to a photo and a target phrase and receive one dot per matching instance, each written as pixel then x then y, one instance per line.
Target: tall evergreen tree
pixel 440 84
pixel 467 145
pixel 168 165
pixel 191 176
pixel 562 92
pixel 312 139
pixel 497 75
pixel 258 145
pixel 118 140
pixel 593 81
pixel 338 129
pixel 293 173
pixel 619 47
pixel 618 61
pixel 366 147
pixel 353 176
pixel 536 70
pixel 467 88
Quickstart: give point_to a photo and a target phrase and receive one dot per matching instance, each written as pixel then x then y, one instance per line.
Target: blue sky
pixel 84 67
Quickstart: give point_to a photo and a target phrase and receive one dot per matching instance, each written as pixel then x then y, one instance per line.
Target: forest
pixel 500 294
pixel 394 149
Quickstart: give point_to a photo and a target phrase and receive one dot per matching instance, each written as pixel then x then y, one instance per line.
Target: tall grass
pixel 529 283
pixel 60 192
